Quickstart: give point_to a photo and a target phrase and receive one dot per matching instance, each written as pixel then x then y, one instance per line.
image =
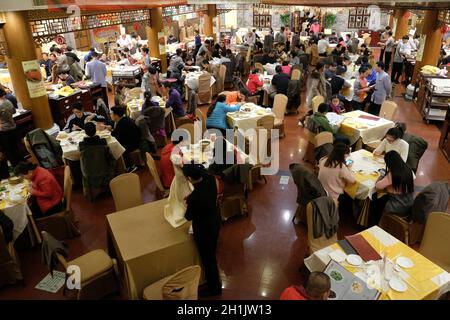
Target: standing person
pixel 9 139
pixel 96 70
pixel 175 61
pixel 397 66
pixel 382 89
pixel 322 45
pixel 383 39
pixel 361 89
pixel 202 211
pixel 174 101
pixel 198 42
pixel 250 38
pixel 334 173
pixel 316 84
pixel 45 62
pixel 388 48
pixel 280 37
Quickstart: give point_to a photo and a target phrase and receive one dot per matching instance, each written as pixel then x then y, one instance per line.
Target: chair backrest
pixel 135 93
pixel 295 75
pixel 260 146
pixel 204 82
pixel 316 101
pixel 199 115
pixel 183 285
pixel 30 150
pixel 395 226
pixel 323 138
pixel 222 72
pixel 259 66
pixel 266 122
pixel 279 105
pixel 126 191
pixel 316 244
pixel 436 238
pixel 388 110
pixel 68 188
pixel 154 171
pixel 190 128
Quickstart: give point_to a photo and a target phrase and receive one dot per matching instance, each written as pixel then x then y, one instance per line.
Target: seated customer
pixel 268 57
pixel 281 81
pixel 399 184
pixel 334 173
pixel 92 138
pixel 286 67
pixel 217 114
pixel 174 101
pixel 254 85
pixel 78 119
pixel 125 130
pixel 167 172
pixel 318 287
pixel 321 120
pixel 234 97
pixel 336 105
pixel 45 190
pixel 338 82
pixel 393 141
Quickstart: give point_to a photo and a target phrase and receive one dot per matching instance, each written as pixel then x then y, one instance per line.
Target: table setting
pixel 14 193
pixel 380 262
pixel 248 116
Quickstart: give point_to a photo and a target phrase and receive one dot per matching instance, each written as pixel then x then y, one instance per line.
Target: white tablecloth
pixel 366 164
pixel 72 152
pixel 192 80
pixel 18 211
pixel 367 130
pixel 247 120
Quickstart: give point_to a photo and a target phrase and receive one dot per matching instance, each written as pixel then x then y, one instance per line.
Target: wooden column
pixel 402 23
pixel 21 48
pixel 432 43
pixel 208 21
pixel 152 36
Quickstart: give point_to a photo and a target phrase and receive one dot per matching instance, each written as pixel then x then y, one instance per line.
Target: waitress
pixel 202 210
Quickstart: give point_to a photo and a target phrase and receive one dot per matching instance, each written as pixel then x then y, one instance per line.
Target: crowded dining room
pixel 224 150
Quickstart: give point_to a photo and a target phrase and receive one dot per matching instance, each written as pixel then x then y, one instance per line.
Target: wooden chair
pixel 134 158
pixel 295 75
pixel 262 142
pixel 436 238
pixel 388 110
pixel 316 101
pixel 266 122
pixel 61 225
pixel 204 89
pixel 200 117
pixel 279 109
pixel 10 271
pixel 189 128
pixel 259 67
pixel 233 201
pixel 221 78
pixel 126 191
pixel 316 244
pixel 160 192
pixel 135 93
pixel 98 277
pixel 182 285
pixel 322 138
pixel 400 228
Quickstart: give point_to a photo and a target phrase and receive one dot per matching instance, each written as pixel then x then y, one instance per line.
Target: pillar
pixel 402 23
pixel 22 48
pixel 432 45
pixel 156 17
pixel 208 21
pixel 391 21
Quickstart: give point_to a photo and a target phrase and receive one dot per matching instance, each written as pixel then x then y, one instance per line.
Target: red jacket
pixel 294 293
pixel 254 83
pixel 167 171
pixel 45 189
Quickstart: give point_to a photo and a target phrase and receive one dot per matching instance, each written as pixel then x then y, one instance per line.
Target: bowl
pixel 14 180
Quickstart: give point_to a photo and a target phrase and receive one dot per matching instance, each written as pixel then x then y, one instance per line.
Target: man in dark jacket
pixel 92 139
pixel 125 130
pixel 202 211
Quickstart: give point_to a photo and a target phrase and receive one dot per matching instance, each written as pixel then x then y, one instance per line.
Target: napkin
pixel 337 255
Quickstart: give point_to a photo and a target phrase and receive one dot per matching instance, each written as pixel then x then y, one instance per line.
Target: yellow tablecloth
pixel 427 277
pixel 147 247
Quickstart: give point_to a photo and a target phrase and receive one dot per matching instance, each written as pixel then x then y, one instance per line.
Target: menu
pixel 346 286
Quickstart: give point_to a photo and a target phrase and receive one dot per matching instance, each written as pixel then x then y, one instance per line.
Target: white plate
pixel 398 285
pixel 405 262
pixel 354 259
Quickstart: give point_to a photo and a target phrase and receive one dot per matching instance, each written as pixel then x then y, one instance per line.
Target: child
pixel 336 105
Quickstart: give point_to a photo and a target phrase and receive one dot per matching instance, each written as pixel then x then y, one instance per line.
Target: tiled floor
pixel 258 256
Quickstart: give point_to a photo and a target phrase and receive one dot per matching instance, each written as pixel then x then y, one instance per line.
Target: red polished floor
pixel 258 256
